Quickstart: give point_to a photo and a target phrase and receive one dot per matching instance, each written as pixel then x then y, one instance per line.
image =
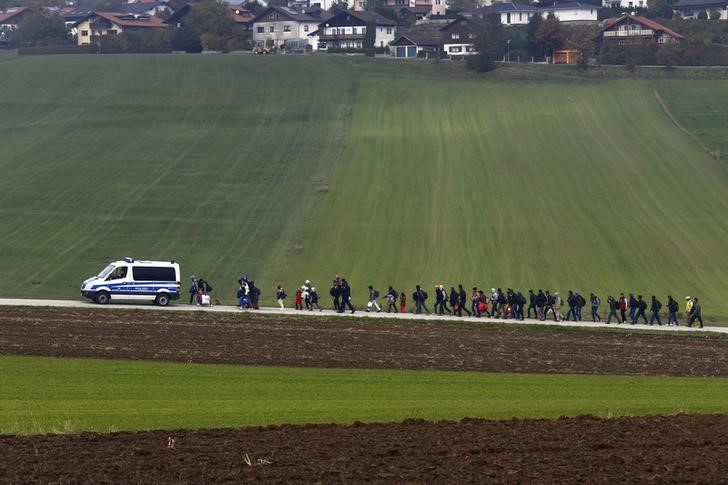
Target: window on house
pixel 272 28
pixel 389 30
pixel 353 30
pixel 456 49
pixel 463 22
pixel 305 28
pixel 520 16
pixel 286 28
pixel 455 36
pixel 260 30
pixel 508 18
pixel 471 36
pixel 84 33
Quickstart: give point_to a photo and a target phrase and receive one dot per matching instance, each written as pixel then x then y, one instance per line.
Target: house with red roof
pixel 10 19
pixel 99 24
pixel 635 30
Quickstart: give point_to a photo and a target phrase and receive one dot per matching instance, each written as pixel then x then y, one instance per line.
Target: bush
pixel 186 40
pixel 714 15
pixel 702 15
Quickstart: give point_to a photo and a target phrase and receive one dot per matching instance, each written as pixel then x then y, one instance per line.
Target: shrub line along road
pixel 359 313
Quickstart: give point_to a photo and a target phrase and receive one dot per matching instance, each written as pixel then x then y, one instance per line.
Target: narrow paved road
pixel 328 313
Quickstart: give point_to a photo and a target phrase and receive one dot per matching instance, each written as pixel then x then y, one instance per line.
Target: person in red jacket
pixel 623 306
pixel 299 299
pixel 402 303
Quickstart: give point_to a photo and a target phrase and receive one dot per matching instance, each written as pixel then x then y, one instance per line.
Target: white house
pixel 690 9
pixel 434 7
pixel 512 13
pixel 275 25
pixel 625 4
pixel 348 30
pixel 570 12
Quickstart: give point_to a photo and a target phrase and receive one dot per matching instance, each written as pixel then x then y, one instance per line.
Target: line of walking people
pixel 497 303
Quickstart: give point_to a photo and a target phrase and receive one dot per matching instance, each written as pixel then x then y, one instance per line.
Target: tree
pixel 370 38
pixel 210 17
pixel 185 39
pixel 551 35
pixel 714 15
pixel 338 6
pixel 533 47
pixel 702 15
pixel 583 39
pixel 489 47
pixel 42 28
pixel 455 6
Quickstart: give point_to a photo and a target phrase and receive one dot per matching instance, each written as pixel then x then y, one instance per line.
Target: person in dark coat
pixel 541 305
pixel 655 310
pixel 550 301
pixel 696 312
pixel 613 306
pixel 463 298
pixel 475 301
pixel 571 301
pixel 345 297
pixel 521 302
pixel 672 308
pixel 641 306
pixel 532 304
pixel 455 302
pixel 632 307
pixel 194 288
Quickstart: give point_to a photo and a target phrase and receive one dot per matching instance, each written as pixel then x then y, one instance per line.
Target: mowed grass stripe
pixel 560 185
pixel 55 394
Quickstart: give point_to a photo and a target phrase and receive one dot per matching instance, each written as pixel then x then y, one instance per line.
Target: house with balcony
pixel 274 26
pixel 690 9
pixel 348 30
pixel 458 36
pixel 99 24
pixel 634 30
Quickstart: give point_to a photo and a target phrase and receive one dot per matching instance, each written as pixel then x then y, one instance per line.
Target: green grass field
pixel 295 168
pixel 56 395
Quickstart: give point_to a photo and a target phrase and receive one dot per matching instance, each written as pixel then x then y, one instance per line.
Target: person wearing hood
pixel 655 310
pixel 532 304
pixel 672 309
pixel 314 296
pixel 463 297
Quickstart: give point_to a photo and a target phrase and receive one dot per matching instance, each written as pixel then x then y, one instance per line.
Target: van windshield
pixel 106 271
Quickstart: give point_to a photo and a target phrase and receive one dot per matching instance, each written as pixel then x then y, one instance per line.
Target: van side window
pixel 117 274
pixel 151 273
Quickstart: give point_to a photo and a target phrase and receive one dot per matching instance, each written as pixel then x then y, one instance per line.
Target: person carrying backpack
pixel 373 295
pixel 672 308
pixel 475 301
pixel 550 302
pixel 455 301
pixel 613 306
pixel 571 301
pixel 595 302
pixel 580 302
pixel 641 306
pixel 633 304
pixel 655 310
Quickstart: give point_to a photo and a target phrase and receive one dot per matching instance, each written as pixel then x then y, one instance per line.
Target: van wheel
pixel 102 298
pixel 161 300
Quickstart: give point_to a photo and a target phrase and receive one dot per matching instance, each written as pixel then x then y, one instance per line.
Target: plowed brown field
pixel 677 449
pixel 318 342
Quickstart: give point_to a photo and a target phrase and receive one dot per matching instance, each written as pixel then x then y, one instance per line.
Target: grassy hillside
pixel 295 168
pixel 71 395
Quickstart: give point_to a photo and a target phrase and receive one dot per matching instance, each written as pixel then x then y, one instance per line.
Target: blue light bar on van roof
pixel 128 260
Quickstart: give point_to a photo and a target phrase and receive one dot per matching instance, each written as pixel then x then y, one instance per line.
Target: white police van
pixel 157 281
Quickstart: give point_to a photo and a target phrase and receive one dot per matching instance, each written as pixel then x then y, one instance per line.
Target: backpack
pixel 283 295
pixel 395 295
pixel 375 294
pixel 424 295
pixel 658 305
pixel 597 301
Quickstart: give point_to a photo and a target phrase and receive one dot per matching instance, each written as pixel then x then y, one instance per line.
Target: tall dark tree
pixel 551 35
pixel 42 27
pixel 488 44
pixel 535 49
pixel 370 38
